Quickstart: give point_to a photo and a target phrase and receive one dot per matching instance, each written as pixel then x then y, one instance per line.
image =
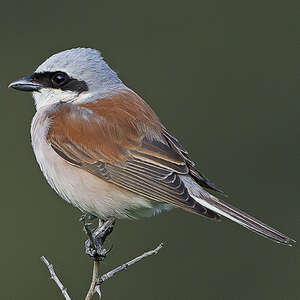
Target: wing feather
pixel 122 141
pixel 199 178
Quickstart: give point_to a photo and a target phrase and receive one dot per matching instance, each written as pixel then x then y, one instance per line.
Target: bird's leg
pixel 94 246
pixel 87 217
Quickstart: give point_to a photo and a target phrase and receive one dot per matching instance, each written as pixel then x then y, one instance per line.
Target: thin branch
pixel 54 277
pixel 94 288
pixel 128 264
pixel 94 247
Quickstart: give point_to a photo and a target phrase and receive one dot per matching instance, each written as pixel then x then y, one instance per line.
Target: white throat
pixel 51 96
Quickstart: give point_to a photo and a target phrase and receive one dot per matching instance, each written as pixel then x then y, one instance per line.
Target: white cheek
pixel 51 96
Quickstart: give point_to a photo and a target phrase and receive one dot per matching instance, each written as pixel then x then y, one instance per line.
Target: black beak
pixel 26 84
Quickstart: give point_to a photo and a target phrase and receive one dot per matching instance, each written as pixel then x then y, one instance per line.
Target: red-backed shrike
pixel 103 149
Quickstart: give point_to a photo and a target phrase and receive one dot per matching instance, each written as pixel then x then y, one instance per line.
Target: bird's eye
pixel 59 79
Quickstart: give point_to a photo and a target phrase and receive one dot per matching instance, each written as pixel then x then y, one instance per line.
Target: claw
pixel 87 217
pixel 91 217
pixel 108 250
pixel 94 245
pixel 82 218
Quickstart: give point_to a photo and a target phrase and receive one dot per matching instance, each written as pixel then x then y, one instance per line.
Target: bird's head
pixel 76 75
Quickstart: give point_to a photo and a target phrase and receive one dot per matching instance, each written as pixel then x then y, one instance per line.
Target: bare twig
pixel 55 278
pixel 128 264
pixel 94 248
pixel 94 288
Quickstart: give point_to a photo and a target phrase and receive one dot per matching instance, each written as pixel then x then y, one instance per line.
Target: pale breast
pixel 80 188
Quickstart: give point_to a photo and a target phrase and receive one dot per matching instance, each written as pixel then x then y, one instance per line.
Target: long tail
pixel 220 207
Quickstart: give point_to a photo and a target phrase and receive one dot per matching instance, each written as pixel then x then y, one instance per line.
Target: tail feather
pixel 220 207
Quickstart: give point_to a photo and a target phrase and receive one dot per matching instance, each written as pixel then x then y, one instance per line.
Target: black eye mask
pixel 59 80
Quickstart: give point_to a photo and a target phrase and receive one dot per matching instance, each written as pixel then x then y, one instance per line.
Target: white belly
pixel 80 188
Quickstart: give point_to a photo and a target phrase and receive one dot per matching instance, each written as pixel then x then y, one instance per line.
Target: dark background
pixel 223 76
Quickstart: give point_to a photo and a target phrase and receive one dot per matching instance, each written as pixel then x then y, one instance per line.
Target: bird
pixel 103 149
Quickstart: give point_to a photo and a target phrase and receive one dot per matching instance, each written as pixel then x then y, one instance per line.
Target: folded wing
pixel 121 140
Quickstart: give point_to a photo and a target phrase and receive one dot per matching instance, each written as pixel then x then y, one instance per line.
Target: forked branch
pixel 95 249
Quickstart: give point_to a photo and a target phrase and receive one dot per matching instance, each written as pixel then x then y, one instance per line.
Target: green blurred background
pixel 223 76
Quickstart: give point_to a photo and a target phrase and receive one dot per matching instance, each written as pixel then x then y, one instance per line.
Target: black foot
pixel 94 246
pixel 87 217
